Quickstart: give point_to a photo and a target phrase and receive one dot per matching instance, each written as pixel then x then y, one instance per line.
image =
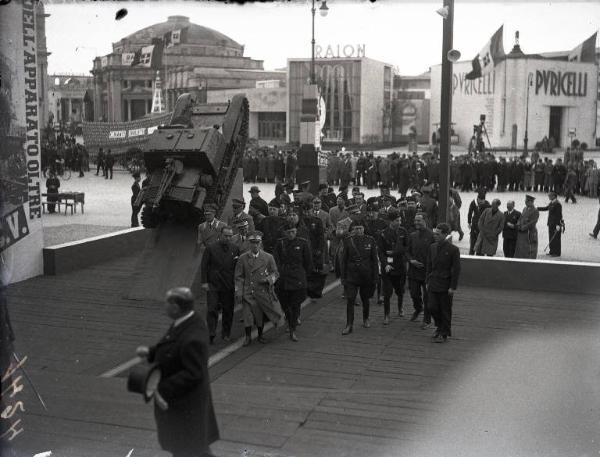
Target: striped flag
pixel 488 57
pixel 585 52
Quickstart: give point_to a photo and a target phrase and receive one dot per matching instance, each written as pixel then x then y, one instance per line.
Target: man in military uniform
pixel 210 230
pixel 374 224
pixel 318 248
pixel 429 206
pixel 384 189
pixel 360 270
pixel 241 239
pixel 355 192
pixel 527 234
pixel 417 251
pixel 216 272
pixel 443 270
pixel 392 248
pixel 255 275
pixel 294 262
pixel 555 224
pixel 239 215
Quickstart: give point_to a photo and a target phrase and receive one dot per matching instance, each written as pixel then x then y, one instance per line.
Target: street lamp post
pixel 323 10
pixel 526 139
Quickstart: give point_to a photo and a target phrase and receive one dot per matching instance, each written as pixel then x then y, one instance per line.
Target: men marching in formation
pixel 373 247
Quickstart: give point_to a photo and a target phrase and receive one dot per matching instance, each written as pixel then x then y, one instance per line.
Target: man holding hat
pixel 210 230
pixel 183 408
pixel 443 270
pixel 239 215
pixel 255 275
pixel 527 234
pixel 555 223
pixel 359 272
pixel 294 262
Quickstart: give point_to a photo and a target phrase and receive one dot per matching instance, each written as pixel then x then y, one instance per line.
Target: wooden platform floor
pixel 519 377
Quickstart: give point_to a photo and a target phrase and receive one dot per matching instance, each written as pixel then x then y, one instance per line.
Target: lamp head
pixel 323 10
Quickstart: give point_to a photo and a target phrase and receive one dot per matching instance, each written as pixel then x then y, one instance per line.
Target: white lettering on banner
pixel 337 51
pixel 32 148
pixel 152 129
pixel 480 86
pixel 137 132
pixel 117 134
pixel 14 227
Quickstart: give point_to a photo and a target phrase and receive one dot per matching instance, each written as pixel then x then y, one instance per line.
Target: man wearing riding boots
pixel 443 270
pixel 392 248
pixel 294 262
pixel 555 224
pixel 359 272
pixel 255 275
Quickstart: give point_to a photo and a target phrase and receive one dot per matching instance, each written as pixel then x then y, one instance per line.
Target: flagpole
pixel 446 112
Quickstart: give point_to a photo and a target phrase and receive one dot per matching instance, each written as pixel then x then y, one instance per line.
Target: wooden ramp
pixel 169 260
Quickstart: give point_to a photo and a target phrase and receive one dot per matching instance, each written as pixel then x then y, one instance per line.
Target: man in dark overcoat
pixel 417 251
pixel 216 273
pixel 294 262
pixel 359 272
pixel 510 232
pixel 443 270
pixel 183 408
pixel 555 224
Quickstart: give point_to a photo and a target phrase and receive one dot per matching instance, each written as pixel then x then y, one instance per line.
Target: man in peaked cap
pixel 210 230
pixel 527 234
pixel 185 418
pixel 242 239
pixel 294 262
pixel 239 215
pixel 359 272
pixel 255 275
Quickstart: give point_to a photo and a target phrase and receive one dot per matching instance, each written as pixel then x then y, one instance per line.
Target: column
pixel 129 110
pixel 70 116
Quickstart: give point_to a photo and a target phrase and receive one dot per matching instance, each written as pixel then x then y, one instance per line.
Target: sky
pixel 406 34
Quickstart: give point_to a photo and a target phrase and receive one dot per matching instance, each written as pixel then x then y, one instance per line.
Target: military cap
pixel 305 183
pixel 529 198
pixel 210 208
pixel 238 202
pixel 343 188
pixel 402 202
pixel 242 223
pixel 254 189
pixel 316 200
pixel 352 208
pixel 289 226
pixel 393 214
pixel 356 224
pixel 443 228
pixel 371 207
pixel 180 295
pixel 384 186
pixel 355 189
pixel 323 186
pixel 255 236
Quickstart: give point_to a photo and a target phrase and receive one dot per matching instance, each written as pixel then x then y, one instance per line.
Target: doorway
pixel 555 122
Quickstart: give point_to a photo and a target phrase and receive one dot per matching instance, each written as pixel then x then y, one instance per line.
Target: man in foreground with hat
pixel 183 408
pixel 255 275
pixel 527 234
pixel 294 263
pixel 210 230
pixel 443 270
pixel 359 272
pixel 239 215
pixel 258 208
pixel 510 232
pixel 476 208
pixel 241 239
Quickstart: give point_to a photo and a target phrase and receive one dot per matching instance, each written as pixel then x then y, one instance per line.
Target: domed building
pixel 188 57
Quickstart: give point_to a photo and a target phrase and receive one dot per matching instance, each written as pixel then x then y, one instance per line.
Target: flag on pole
pixel 157 55
pixel 167 40
pixel 179 36
pixel 488 57
pixel 146 56
pixel 585 52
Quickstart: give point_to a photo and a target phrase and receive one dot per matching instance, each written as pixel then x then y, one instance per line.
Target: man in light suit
pixel 255 275
pixel 210 230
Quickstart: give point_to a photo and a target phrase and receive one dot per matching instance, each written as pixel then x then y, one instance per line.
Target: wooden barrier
pixel 67 257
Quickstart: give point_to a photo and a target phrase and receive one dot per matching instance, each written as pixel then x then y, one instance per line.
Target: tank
pixel 193 161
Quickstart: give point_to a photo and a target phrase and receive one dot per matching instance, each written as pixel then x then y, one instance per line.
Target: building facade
pixel 412 96
pixel 202 60
pixel 357 95
pixel 70 98
pixel 561 97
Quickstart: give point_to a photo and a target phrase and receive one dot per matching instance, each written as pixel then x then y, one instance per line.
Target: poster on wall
pixel 21 239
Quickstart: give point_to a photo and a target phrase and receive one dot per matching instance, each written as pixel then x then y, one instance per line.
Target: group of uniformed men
pixel 281 252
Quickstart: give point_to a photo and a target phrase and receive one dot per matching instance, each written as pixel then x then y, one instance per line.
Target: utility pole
pixel 446 112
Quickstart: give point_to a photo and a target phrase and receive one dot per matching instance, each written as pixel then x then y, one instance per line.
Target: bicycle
pixel 60 169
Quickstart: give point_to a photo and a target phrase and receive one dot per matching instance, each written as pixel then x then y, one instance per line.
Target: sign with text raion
pixel 340 51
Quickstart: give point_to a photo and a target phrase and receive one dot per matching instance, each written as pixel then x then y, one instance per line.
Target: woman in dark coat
pixel 183 409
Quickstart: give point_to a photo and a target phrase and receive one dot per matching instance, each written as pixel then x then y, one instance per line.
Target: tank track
pixel 231 162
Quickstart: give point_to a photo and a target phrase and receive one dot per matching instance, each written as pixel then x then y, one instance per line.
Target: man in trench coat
pixel 527 234
pixel 490 226
pixel 255 275
pixel 183 408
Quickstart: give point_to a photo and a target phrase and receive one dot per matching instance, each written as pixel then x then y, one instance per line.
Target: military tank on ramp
pixel 191 162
